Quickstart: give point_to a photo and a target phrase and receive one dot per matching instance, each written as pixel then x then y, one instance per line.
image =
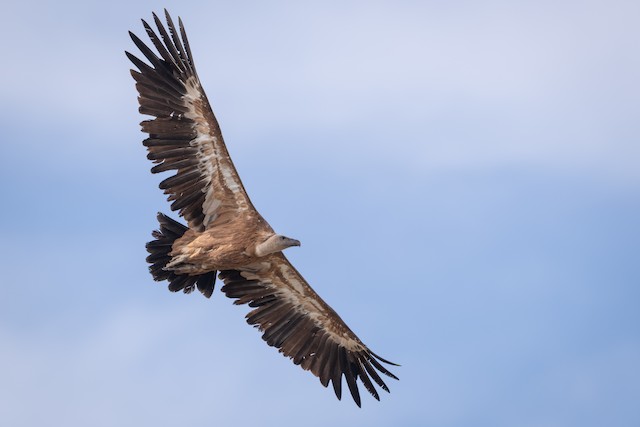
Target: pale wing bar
pixel 294 319
pixel 184 136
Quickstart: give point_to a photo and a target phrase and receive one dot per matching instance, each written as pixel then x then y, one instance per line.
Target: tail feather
pixel 159 257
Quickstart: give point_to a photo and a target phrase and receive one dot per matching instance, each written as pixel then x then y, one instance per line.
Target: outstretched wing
pixel 303 327
pixel 184 135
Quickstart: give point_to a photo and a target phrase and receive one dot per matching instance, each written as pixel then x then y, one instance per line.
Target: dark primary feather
pixel 300 338
pixel 161 87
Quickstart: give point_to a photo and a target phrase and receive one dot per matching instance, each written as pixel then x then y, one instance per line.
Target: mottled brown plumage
pixel 225 233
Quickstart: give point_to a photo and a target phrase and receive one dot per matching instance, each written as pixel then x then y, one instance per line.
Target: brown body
pixel 228 246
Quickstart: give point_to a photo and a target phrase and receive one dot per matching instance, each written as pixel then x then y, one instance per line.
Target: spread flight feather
pixel 225 233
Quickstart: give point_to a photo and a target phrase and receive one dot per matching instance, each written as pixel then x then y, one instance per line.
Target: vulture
pixel 225 235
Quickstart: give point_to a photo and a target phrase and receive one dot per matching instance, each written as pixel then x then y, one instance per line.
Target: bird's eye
pixel 282 237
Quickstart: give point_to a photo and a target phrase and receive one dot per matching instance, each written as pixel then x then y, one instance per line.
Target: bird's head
pixel 275 243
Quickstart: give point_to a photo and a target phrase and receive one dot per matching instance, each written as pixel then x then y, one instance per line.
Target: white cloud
pixel 540 84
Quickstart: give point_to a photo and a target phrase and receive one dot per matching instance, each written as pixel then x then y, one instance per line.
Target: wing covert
pixel 294 319
pixel 184 136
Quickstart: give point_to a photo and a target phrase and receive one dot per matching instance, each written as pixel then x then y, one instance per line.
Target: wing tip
pixel 383 359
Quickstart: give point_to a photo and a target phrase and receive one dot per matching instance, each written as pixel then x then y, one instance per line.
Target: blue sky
pixel 463 176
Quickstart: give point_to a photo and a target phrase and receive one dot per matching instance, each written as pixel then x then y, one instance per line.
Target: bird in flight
pixel 226 235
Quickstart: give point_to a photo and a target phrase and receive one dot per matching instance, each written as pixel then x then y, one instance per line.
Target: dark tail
pixel 159 257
